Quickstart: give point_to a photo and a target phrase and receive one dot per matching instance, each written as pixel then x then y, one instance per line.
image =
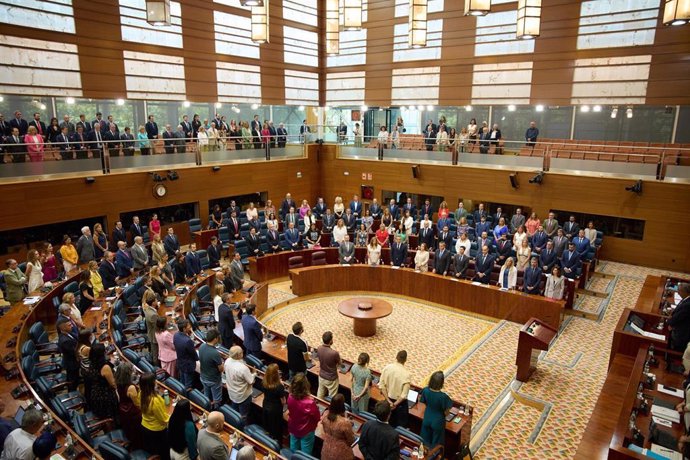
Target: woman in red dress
pixel 265 135
pixel 154 226
pixel 382 235
pixel 49 263
pixel 443 210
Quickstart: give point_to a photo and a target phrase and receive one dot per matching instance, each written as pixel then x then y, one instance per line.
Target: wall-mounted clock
pixel 159 190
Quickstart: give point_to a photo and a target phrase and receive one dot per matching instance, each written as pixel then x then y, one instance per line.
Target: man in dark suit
pixel 234 226
pixel 532 277
pixel 548 258
pixel 112 139
pixel 218 121
pixel 107 270
pixel 570 262
pixel 494 135
pixel 378 439
pixel 481 226
pixel 253 334
pixel 226 321
pixel 16 150
pixel 273 239
pixel 429 138
pixel 274 134
pixel 483 265
pixel 233 207
pixel 112 122
pixel 80 143
pixel 95 138
pixel 293 237
pixel 99 123
pixel 427 210
pixel 5 128
pixel 342 132
pixel 169 139
pixel 187 127
pixel 346 251
pixel 539 240
pixel 328 222
pixel 398 253
pixel 125 263
pixel 460 263
pixel 375 209
pixel 394 209
pixel 151 128
pixel 409 206
pixel 282 135
pixel 19 123
pixel 119 233
pixel 478 213
pixel 180 140
pixel 444 236
pixel 127 139
pixel 255 127
pixel 192 261
pixel 679 322
pixel 285 206
pixel 136 229
pixel 171 243
pixel 560 242
pixel 67 344
pixel 503 247
pixel 498 214
pixel 64 145
pixel 320 208
pixel 214 252
pixel 571 228
pixel 426 235
pixel 349 220
pixel 356 206
pixel 40 126
pixel 441 259
pixel 582 244
pixel 303 131
pixel 253 243
pixel 85 125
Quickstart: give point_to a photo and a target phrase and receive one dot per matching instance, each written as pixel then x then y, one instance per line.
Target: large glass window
pixel 552 122
pixel 23 239
pixel 683 129
pixel 646 124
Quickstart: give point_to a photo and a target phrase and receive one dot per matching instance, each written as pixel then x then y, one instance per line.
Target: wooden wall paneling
pixel 199 39
pixel 664 207
pixel 377 87
pixel 272 53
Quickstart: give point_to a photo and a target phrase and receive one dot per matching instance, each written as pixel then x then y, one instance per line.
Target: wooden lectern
pixel 535 336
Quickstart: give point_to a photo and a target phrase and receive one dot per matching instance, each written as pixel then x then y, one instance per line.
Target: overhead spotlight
pixel 90 180
pixel 380 109
pixel 468 108
pixel 120 101
pixel 403 108
pixel 42 106
pixel 637 188
pixel 235 109
pixel 215 168
pixel 596 108
pixel 429 108
pixel 364 108
pixel 538 179
pixel 346 173
pixel 252 2
pixel 539 108
pixel 255 106
pixel 186 104
pixel 172 175
pixel 70 100
pixel 584 108
pixel 614 112
pixel 218 105
pixel 301 108
pixel 2 99
pixel 420 108
pixel 157 177
pixel 299 174
pixel 511 108
pixel 628 112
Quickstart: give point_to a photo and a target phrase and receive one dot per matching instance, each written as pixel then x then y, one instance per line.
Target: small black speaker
pixel 514 181
pixel 415 171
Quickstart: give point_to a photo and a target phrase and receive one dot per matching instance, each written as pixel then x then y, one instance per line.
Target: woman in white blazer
pixel 591 233
pixel 373 252
pixel 421 258
pixel 463 242
pixel 507 278
pixel 555 284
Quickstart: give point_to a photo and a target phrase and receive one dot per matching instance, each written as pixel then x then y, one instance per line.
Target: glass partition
pixel 638 124
pixel 553 122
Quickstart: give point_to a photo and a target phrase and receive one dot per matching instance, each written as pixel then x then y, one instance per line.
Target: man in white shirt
pixel 239 380
pixel 19 443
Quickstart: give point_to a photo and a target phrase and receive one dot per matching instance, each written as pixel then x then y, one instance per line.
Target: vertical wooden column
pixel 198 46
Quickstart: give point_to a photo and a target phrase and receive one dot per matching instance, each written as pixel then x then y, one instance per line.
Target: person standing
pixel 438 405
pixel 361 384
pixel 67 344
pixel 182 432
pixel 679 323
pixel 209 443
pixel 15 281
pixel 297 351
pixel 337 432
pixel 378 439
pixel 531 134
pixel 274 399
pixel 211 366
pixel 166 348
pixel 226 321
pixel 154 418
pixel 303 415
pixel 329 360
pixel 238 381
pixel 252 332
pixel 85 247
pixel 394 386
pixel 150 304
pixel 19 443
pixel 186 353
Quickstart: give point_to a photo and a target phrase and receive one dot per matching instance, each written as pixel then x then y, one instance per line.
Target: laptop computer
pixel 19 415
pixel 412 397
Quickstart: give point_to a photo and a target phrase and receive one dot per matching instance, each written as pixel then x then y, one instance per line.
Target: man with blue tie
pixel 375 209
pixel 481 226
pixel 409 206
pixel 273 239
pixel 441 259
pixel 171 243
pixel 539 240
pixel 532 277
pixel 483 265
pixel 192 261
pixel 292 236
pixel 320 208
pixel 398 253
pixel 253 335
pixel 356 206
pixel 581 244
pixel 571 228
pixel 292 217
pixel 214 253
pixel 394 209
pixel 328 221
pixel 63 142
pixel 125 263
pixel 570 262
pixel 548 258
pixel 444 236
pixel 349 220
pixel 478 213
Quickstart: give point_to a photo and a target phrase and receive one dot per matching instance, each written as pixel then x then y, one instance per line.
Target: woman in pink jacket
pixel 34 144
pixel 303 415
pixel 166 349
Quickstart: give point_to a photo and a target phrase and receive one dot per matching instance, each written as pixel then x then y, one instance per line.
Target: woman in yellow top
pixel 154 417
pixel 69 254
pixel 96 280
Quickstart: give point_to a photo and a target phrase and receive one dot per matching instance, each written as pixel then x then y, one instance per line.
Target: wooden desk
pixel 365 319
pixel 202 238
pixel 486 300
pixel 628 342
pixel 651 294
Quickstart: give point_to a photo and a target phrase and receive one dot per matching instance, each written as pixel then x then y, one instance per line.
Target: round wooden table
pixel 365 311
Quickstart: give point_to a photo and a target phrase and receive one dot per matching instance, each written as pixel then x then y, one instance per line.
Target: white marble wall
pixel 419 85
pixel 301 46
pixel 402 7
pixel 506 83
pixel 301 88
pixel 234 35
pixel 615 23
pixel 238 82
pixel 55 15
pixel 154 76
pixel 301 11
pixel 496 35
pixel 345 88
pixel 401 46
pixel 614 80
pixel 135 28
pixel 353 49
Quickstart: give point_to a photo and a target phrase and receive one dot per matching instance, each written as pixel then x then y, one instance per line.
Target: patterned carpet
pixel 541 419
